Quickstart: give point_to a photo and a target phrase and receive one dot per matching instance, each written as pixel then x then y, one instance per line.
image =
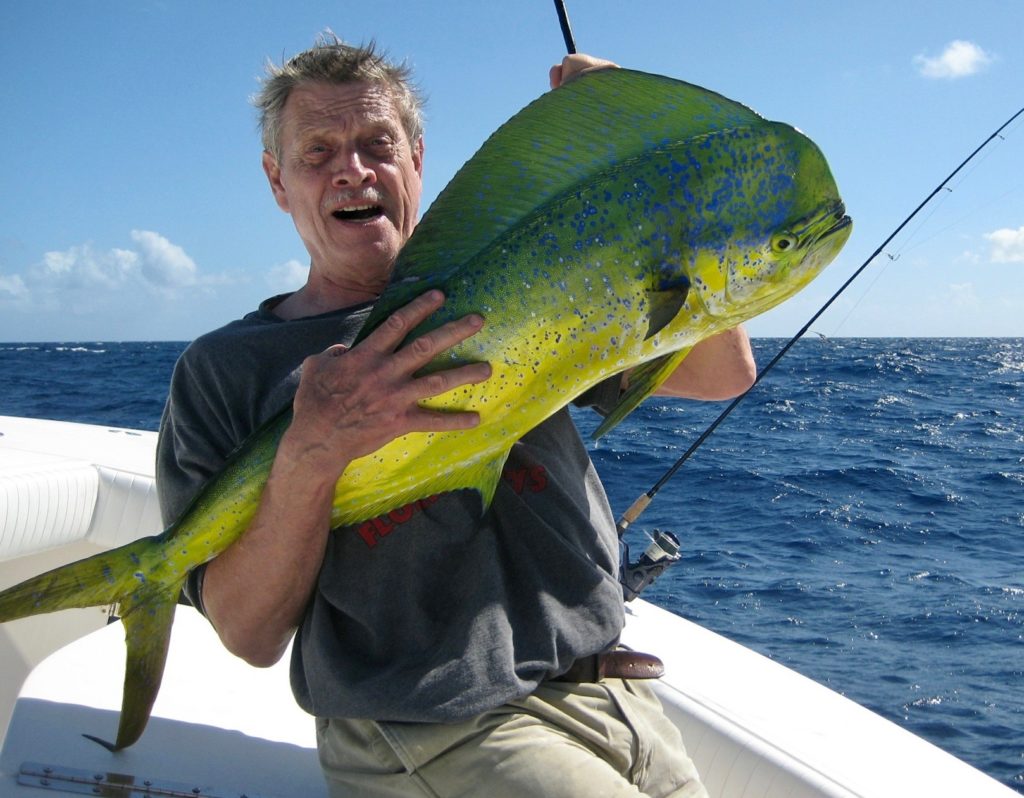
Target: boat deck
pixel 218 725
pixel 221 729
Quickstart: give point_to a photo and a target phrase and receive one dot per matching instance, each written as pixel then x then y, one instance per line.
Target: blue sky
pixel 134 206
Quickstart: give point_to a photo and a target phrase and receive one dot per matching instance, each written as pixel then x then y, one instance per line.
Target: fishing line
pixel 911 244
pixel 864 294
pixel 912 233
pixel 644 499
pixel 963 217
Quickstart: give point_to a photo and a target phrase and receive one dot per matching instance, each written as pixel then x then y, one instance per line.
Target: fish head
pixel 778 222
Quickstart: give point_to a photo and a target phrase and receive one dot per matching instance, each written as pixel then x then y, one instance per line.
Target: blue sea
pixel 859 517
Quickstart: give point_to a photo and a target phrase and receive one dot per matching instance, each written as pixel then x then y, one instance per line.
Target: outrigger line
pixel 641 503
pixel 664 545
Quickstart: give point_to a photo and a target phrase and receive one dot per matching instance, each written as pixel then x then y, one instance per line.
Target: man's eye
pixel 315 150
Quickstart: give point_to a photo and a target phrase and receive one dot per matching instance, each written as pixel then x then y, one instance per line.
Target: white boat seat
pixel 45 502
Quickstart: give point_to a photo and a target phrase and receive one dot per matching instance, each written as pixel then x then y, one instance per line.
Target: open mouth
pixel 358 213
pixel 842 221
pixel 831 221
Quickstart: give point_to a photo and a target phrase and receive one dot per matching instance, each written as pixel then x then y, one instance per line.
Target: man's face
pixel 350 178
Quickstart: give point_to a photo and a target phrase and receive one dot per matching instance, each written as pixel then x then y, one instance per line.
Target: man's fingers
pixel 573 66
pixel 373 391
pixel 426 347
pixel 422 349
pixel 400 323
pixel 428 420
pixel 443 381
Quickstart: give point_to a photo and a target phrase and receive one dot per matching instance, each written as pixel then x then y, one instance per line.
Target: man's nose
pixel 351 170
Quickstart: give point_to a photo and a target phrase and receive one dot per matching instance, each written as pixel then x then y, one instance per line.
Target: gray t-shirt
pixel 433 611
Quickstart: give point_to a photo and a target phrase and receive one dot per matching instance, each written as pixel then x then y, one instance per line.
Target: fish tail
pixel 147 620
pixel 103 579
pixel 145 605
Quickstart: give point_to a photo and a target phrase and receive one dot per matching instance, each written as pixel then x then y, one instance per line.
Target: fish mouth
pixel 840 221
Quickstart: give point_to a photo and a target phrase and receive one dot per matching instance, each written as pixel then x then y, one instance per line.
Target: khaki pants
pixel 566 740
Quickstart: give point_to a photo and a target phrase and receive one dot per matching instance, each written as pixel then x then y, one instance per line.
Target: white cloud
pixel 969 257
pixel 163 265
pixel 151 289
pixel 287 276
pixel 958 60
pixel 1007 245
pixel 12 287
pixel 81 267
pixel 962 296
pixel 84 279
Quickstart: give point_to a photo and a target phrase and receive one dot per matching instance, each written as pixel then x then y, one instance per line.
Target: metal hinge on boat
pixel 114 785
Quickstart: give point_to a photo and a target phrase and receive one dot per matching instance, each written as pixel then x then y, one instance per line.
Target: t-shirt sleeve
pixel 602 397
pixel 191 448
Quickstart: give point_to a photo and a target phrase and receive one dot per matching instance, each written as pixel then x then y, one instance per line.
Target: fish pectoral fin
pixel 664 305
pixel 485 479
pixel 147 631
pixel 481 477
pixel 643 381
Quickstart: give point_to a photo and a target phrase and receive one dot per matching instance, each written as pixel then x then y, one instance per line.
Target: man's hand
pixel 351 402
pixel 573 66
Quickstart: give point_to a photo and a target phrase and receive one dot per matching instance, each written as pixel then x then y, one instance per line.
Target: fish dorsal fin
pixel 562 139
pixel 643 381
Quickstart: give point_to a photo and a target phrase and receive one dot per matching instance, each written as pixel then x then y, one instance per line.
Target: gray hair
pixel 330 60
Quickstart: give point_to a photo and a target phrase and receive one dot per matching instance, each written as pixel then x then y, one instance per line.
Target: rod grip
pixel 633 512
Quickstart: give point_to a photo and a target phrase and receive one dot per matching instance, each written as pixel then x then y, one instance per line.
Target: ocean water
pixel 859 517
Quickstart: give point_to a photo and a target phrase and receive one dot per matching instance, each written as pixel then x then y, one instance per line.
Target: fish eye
pixel 783 242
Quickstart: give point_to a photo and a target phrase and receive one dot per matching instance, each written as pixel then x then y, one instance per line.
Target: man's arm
pixel 349 403
pixel 719 367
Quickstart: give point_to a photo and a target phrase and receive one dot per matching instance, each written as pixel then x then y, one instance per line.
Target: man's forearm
pixel 719 367
pixel 349 403
pixel 255 593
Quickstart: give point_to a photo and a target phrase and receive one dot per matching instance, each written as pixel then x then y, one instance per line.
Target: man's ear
pixel 417 156
pixel 273 172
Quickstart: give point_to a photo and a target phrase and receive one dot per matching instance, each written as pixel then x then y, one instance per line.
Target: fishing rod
pixel 664 548
pixel 563 21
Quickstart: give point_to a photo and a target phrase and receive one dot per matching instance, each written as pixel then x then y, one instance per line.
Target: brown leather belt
pixel 617 664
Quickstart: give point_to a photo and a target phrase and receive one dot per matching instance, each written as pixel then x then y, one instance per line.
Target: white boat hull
pixel 753 727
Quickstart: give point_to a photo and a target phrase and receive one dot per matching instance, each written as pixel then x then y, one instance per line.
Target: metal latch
pixel 114 785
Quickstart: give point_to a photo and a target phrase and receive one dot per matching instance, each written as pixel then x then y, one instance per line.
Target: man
pixel 433 644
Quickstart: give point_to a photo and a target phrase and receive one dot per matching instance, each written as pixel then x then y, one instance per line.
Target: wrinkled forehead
pixel 317 106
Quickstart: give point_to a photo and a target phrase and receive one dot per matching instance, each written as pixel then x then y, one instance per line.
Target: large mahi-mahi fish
pixel 610 225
